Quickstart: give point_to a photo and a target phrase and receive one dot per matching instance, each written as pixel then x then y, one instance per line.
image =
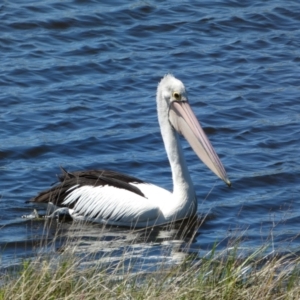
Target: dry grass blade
pixel 229 274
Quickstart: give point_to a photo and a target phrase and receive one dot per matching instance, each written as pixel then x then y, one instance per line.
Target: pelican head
pixel 173 105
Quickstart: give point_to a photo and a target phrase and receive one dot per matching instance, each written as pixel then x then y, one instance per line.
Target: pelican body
pixel 113 198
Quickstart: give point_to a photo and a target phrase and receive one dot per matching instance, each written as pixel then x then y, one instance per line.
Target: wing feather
pixel 111 203
pixel 70 181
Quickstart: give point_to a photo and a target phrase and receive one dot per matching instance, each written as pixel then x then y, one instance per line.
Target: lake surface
pixel 77 89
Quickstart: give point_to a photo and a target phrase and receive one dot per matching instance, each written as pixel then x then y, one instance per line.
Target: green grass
pixel 227 275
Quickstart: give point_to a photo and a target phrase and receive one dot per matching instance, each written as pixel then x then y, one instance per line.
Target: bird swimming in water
pixel 113 198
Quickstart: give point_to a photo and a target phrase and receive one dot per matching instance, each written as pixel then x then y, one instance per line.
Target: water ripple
pixel 78 82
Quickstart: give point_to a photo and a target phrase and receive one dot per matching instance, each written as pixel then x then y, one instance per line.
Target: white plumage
pixel 116 199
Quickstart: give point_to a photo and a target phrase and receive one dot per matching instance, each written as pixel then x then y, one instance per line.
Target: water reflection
pixel 140 250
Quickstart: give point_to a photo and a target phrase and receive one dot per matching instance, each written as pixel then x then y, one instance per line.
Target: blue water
pixel 77 89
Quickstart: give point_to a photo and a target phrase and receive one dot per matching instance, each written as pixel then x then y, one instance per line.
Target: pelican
pixel 113 198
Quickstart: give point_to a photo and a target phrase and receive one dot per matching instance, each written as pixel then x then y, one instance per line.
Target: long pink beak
pixel 185 122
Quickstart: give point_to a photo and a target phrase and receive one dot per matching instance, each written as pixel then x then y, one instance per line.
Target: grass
pixel 226 275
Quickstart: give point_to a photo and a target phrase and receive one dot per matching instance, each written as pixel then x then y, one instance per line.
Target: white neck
pixel 183 189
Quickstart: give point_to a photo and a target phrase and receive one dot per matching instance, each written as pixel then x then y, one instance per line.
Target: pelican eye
pixel 177 96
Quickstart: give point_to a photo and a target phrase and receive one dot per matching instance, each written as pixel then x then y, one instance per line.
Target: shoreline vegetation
pixel 229 274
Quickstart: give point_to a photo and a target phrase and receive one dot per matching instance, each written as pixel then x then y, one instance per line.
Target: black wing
pixel 58 192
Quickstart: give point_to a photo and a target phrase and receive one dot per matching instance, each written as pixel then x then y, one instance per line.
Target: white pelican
pixel 116 199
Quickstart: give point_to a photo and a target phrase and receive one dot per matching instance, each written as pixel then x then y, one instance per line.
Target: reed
pixel 226 275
